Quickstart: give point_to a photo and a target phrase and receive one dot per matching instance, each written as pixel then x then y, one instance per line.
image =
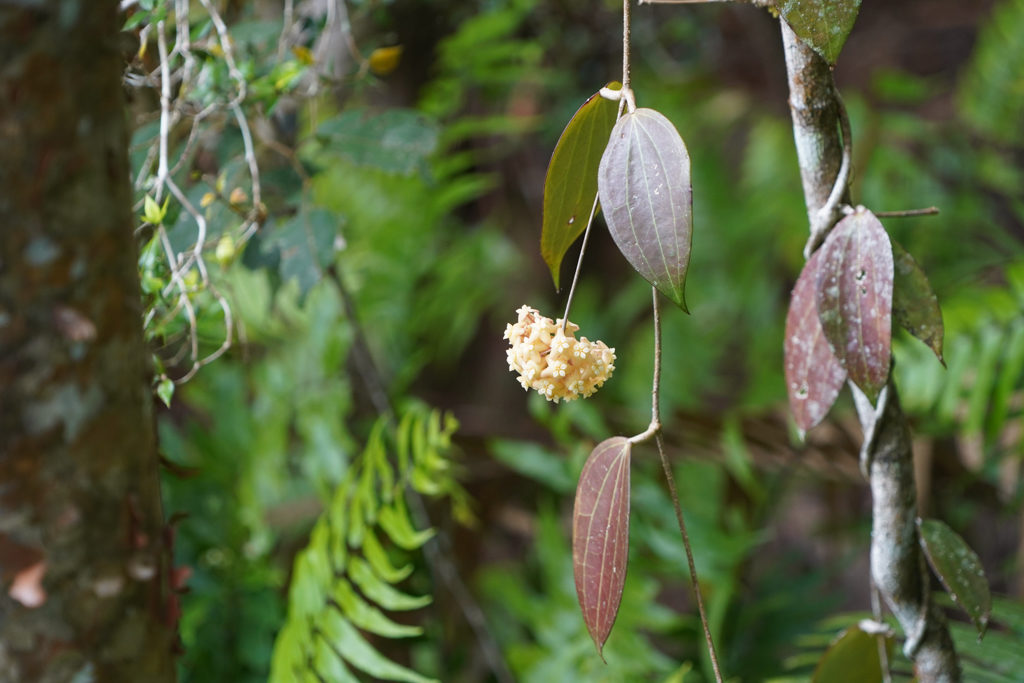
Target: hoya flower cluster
pixel 554 362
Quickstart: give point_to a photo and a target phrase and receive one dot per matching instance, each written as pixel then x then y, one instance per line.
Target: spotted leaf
pixel 958 568
pixel 854 298
pixel 814 375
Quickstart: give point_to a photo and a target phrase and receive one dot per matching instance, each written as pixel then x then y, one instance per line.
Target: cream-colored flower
pixel 553 361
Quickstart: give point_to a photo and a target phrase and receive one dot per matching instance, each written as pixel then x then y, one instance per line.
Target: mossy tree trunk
pixel 83 552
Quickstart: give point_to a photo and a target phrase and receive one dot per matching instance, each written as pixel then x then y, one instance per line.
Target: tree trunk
pixel 83 551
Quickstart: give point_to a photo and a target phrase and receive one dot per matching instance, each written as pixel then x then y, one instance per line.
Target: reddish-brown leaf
pixel 600 535
pixel 814 375
pixel 854 297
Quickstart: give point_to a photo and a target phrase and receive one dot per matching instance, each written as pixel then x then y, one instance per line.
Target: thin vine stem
pixel 695 585
pixel 880 639
pixel 579 263
pixel 654 429
pixel 626 100
pixel 627 32
pixel 908 213
pixel 826 215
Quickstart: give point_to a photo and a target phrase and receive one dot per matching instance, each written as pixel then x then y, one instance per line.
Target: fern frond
pixel 345 579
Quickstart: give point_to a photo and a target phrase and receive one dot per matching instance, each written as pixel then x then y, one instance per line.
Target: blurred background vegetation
pixel 399 222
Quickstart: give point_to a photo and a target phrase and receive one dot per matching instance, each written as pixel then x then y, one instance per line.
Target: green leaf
pixel 378 559
pixel 165 390
pixel 328 663
pixel 345 639
pixel 367 617
pixel 380 591
pixel 152 212
pixel 570 185
pixel 306 595
pixel 851 658
pixel 991 89
pixel 958 568
pixel 395 141
pixel 356 522
pixel 822 24
pixel 600 535
pixel 647 199
pixel 532 460
pixel 1009 378
pixel 395 521
pixel 914 304
pixel 306 245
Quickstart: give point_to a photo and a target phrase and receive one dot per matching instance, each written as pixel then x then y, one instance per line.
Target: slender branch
pixel 694 582
pixel 907 213
pixel 897 564
pixel 579 263
pixel 627 34
pixel 654 429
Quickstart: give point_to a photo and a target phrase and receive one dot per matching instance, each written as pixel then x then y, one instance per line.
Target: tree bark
pixel 898 567
pixel 83 550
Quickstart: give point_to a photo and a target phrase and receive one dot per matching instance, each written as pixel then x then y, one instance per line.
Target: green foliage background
pixel 402 228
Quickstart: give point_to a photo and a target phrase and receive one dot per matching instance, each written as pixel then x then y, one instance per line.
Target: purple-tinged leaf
pixel 851 658
pixel 600 535
pixel 958 568
pixel 914 304
pixel 571 181
pixel 814 375
pixel 822 25
pixel 646 197
pixel 854 297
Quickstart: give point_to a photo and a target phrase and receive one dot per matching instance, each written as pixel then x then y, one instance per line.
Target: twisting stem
pixel 896 559
pixel 827 214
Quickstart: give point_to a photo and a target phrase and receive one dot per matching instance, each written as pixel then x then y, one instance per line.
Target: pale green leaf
pixel 328 663
pixel 375 554
pixel 345 639
pixel 379 591
pixel 395 521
